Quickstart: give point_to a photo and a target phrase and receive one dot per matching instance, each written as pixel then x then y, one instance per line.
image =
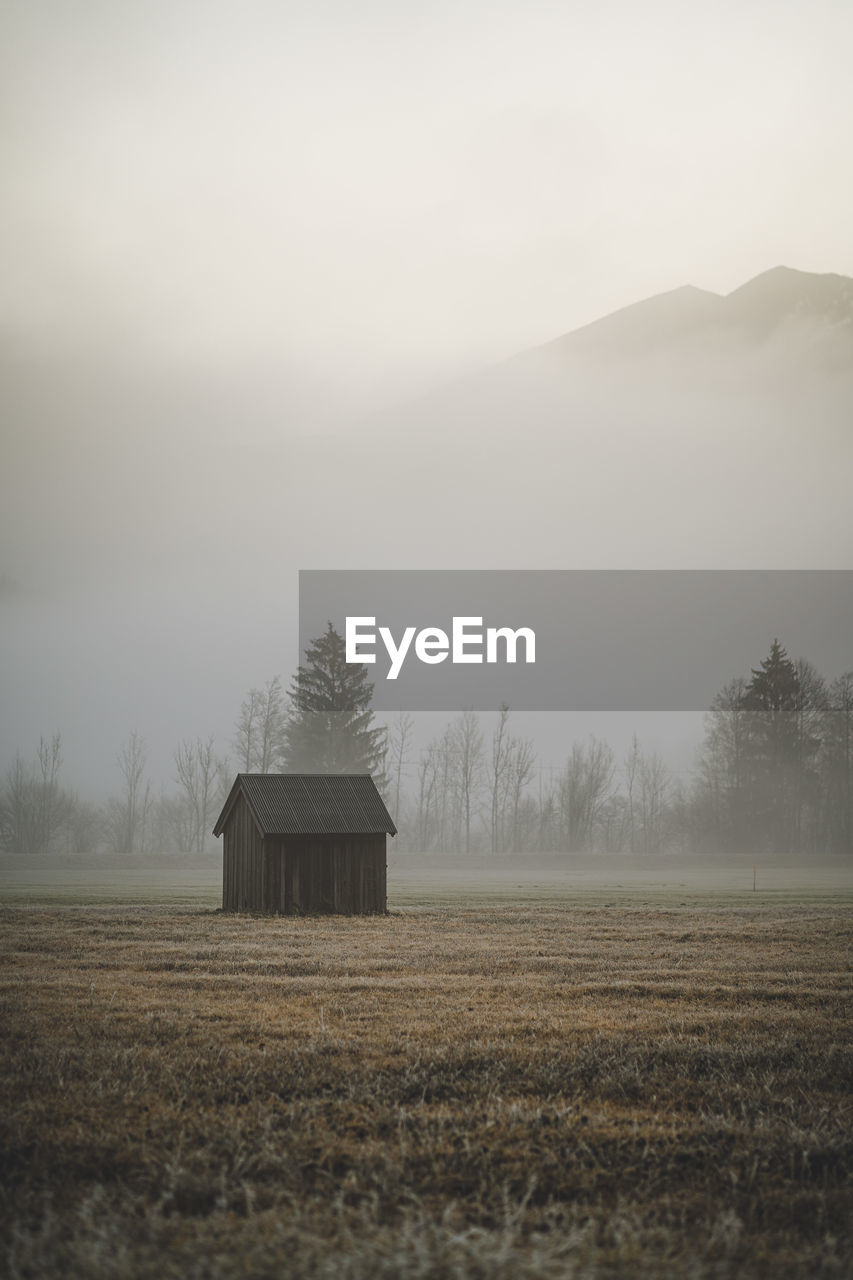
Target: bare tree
pixel 272 726
pixel 398 745
pixel 247 732
pixel 439 794
pixel 631 770
pixel 51 801
pixel 548 811
pixel 259 736
pixel 170 825
pixel 811 717
pixel 84 826
pixel 654 787
pixel 467 745
pixel 129 814
pixel 647 782
pixel 498 779
pixel 585 787
pixel 19 810
pixel 522 760
pixel 199 773
pixel 427 782
pixel 510 769
pixel 837 764
pixel 33 807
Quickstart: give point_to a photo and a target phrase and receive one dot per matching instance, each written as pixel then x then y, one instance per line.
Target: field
pixel 513 1077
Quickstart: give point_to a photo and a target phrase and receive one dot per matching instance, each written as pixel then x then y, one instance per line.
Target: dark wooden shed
pixel 304 842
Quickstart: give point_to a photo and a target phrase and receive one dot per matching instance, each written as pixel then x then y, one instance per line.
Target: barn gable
pixel 304 843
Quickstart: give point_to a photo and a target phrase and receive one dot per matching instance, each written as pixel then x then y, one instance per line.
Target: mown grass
pixel 534 1090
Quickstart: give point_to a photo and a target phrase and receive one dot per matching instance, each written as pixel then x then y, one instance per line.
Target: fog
pixel 152 569
pixel 264 274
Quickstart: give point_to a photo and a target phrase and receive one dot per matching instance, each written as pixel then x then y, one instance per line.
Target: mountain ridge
pixel 781 298
pixel 782 331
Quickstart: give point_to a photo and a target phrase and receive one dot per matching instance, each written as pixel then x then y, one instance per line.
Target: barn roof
pixel 286 804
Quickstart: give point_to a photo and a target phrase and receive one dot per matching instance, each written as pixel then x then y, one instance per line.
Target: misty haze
pixel 664 436
pixel 303 978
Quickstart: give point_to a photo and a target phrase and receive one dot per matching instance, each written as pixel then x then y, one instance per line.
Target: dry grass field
pixel 538 1088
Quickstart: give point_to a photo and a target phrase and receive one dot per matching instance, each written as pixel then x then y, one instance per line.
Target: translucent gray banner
pixel 573 640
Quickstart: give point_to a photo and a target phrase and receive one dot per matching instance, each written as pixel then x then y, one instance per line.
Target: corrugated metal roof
pixel 311 804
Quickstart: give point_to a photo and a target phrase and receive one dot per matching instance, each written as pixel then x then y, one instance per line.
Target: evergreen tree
pixel 780 699
pixel 775 685
pixel 330 722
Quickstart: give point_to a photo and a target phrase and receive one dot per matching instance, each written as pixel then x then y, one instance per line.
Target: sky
pixel 407 186
pixel 233 234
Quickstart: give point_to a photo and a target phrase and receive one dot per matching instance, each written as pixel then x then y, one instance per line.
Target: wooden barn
pixel 298 842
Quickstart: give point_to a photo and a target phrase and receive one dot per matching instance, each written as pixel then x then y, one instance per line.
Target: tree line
pixel 475 792
pixel 324 724
pixel 38 816
pixel 774 774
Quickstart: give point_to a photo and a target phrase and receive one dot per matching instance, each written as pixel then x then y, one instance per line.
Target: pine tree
pixel 777 751
pixel 775 685
pixel 330 723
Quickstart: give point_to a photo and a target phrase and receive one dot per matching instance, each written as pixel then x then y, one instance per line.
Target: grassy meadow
pixel 549 1075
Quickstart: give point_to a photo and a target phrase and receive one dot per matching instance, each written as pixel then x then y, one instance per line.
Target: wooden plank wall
pixel 243 887
pixel 283 874
pixel 341 874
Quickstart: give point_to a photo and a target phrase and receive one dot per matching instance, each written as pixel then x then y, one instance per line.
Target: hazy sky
pixel 396 185
pixel 229 229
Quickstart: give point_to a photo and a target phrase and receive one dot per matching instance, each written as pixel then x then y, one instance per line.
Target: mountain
pixel 688 425
pixel 684 365
pixel 796 312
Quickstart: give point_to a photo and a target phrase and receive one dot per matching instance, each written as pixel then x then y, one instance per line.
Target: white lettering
pixel 394 653
pixel 354 638
pixel 511 638
pixel 461 638
pixel 432 645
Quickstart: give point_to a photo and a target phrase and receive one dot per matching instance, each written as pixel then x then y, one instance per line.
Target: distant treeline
pixel 773 774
